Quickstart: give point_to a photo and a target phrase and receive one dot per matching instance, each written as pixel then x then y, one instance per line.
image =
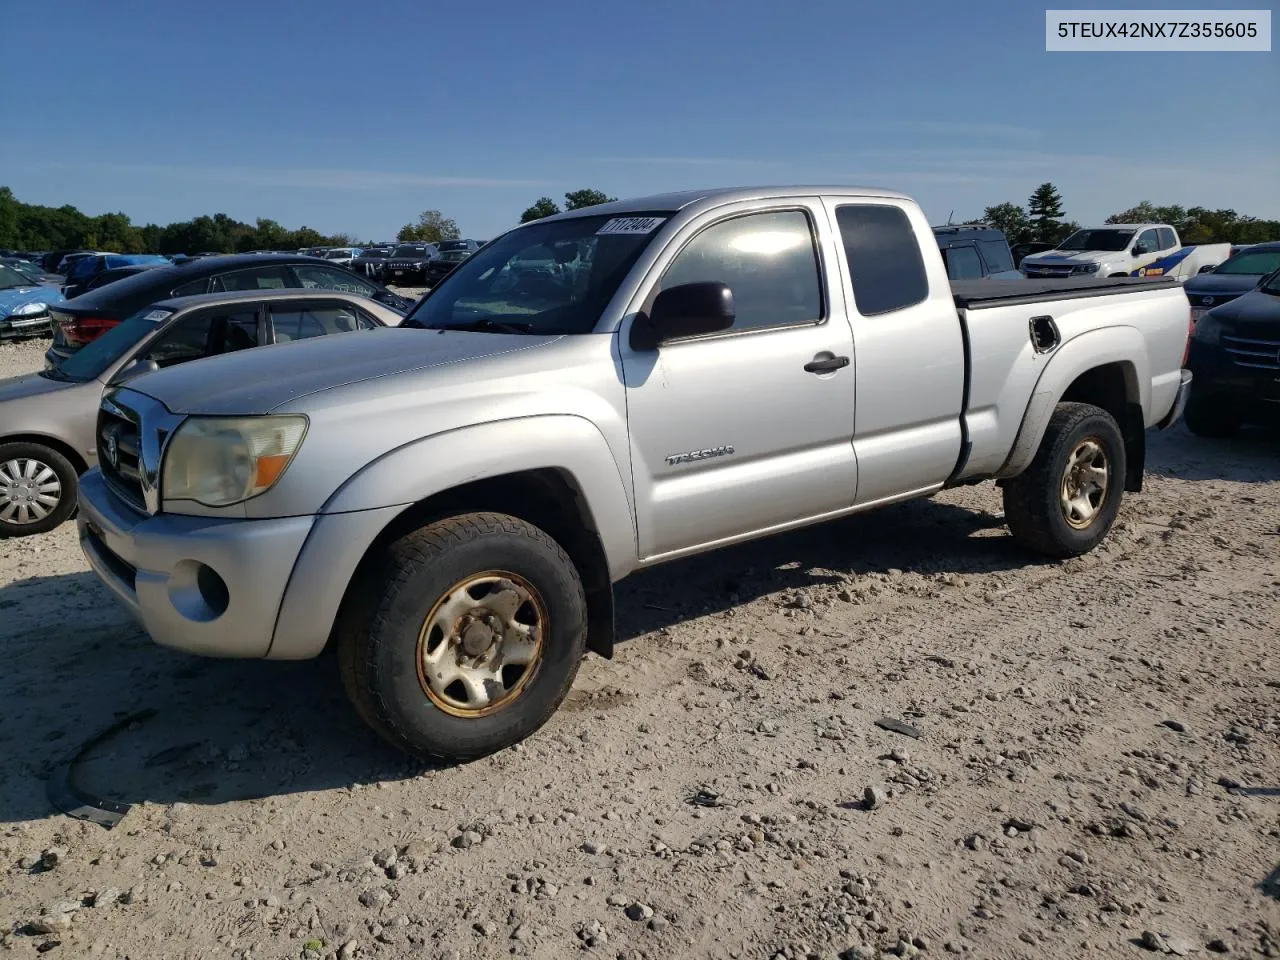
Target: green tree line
pixel 29 226
pixel 1043 219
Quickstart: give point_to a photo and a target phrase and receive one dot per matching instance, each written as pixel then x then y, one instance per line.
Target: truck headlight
pixel 1208 330
pixel 30 309
pixel 220 461
pixel 1087 267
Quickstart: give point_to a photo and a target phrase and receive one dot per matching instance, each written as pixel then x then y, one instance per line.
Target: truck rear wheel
pixel 463 637
pixel 1067 500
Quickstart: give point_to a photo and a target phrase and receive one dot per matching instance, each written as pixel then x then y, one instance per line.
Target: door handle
pixel 825 364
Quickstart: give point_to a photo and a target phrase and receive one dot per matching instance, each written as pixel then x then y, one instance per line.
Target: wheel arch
pixel 1107 368
pixel 54 443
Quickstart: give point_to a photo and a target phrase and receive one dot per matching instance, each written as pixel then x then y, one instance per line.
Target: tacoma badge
pixel 695 455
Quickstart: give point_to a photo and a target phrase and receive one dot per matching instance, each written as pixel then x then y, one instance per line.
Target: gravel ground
pixel 1096 771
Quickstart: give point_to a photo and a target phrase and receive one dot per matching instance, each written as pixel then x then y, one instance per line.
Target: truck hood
pixel 1253 307
pixel 260 380
pixel 1074 256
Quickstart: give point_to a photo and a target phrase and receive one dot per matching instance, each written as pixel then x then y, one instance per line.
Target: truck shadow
pixel 231 730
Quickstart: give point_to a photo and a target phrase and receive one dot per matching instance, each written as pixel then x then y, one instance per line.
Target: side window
pixel 205 334
pixel 1149 240
pixel 997 255
pixel 1167 240
pixel 767 259
pixel 192 288
pixel 327 278
pixel 300 321
pixel 884 257
pixel 963 263
pixel 255 278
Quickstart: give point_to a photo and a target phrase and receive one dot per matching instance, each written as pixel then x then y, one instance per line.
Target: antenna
pixel 949 215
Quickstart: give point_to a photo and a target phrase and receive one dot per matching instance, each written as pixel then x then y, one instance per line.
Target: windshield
pixel 374 253
pixel 546 278
pixel 337 254
pixel 10 278
pixel 95 357
pixel 454 256
pixel 1272 285
pixel 408 252
pixel 444 245
pixel 1252 264
pixel 1108 240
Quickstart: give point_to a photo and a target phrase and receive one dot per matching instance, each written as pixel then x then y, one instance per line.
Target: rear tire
pixel 484 598
pixel 38 488
pixel 1209 416
pixel 1067 500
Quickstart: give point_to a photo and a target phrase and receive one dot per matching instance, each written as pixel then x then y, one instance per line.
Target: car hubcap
pixel 481 643
pixel 1085 483
pixel 29 491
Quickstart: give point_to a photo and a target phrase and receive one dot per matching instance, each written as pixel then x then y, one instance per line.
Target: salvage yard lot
pixel 1074 790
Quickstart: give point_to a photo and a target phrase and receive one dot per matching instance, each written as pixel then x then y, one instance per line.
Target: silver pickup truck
pixel 449 503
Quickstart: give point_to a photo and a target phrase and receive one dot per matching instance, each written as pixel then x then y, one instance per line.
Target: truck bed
pixel 976 294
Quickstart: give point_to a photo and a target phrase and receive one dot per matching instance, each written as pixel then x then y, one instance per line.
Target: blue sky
pixel 356 116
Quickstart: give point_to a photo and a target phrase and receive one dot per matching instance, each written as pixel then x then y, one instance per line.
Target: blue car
pixel 24 305
pixel 1233 277
pixel 84 270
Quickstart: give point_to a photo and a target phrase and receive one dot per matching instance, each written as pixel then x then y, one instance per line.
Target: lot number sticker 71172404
pixel 631 225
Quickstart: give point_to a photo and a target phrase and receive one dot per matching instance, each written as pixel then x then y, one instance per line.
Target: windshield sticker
pixel 631 225
pixel 158 314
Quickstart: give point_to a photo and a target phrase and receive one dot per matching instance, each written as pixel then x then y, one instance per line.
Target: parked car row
pixel 434 500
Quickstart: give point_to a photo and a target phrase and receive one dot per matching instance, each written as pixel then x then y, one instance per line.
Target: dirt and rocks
pixel 1083 759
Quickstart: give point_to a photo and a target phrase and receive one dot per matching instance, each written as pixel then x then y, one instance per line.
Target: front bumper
pixel 1179 402
pixel 40 325
pixel 208 586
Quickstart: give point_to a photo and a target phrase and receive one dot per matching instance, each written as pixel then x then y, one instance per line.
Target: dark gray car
pixel 47 419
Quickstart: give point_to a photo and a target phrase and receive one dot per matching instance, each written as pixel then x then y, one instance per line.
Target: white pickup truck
pixel 1125 250
pixel 450 503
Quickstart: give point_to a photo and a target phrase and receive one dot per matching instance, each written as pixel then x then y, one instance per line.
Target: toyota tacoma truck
pixel 449 504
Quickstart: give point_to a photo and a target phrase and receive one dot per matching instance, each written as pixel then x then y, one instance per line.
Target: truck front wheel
pixel 1067 500
pixel 463 637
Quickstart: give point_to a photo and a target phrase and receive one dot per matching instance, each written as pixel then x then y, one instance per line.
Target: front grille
pixel 1259 354
pixel 118 450
pixel 1048 270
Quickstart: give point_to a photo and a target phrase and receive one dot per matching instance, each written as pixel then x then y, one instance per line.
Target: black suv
pixel 408 263
pixel 452 253
pixel 973 251
pixel 85 318
pixel 1234 358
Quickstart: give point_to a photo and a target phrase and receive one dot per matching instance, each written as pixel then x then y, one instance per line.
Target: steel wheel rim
pixel 29 491
pixel 1086 481
pixel 481 643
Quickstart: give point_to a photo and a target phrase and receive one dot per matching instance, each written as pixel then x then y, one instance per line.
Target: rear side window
pixel 301 321
pixel 963 263
pixel 1167 239
pixel 884 257
pixel 255 278
pixel 996 254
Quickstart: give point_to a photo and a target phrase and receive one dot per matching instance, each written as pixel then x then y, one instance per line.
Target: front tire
pixel 1212 417
pixel 38 488
pixel 463 637
pixel 1067 500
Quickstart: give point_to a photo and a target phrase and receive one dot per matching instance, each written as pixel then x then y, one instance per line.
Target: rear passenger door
pixel 206 333
pixel 291 320
pixel 909 360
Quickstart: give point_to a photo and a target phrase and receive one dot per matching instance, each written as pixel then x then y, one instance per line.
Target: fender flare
pixel 1096 348
pixel 444 461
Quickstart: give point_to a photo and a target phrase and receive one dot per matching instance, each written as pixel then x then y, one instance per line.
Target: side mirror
pixel 1208 268
pixel 135 368
pixel 687 310
pixel 1140 249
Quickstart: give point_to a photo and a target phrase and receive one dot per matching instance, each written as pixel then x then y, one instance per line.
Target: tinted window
pixel 444 245
pixel 963 263
pixel 206 334
pixel 768 261
pixel 327 278
pixel 255 278
pixel 884 257
pixel 192 288
pixel 1257 263
pixel 1149 240
pixel 1106 240
pixel 997 255
pixel 301 321
pixel 410 253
